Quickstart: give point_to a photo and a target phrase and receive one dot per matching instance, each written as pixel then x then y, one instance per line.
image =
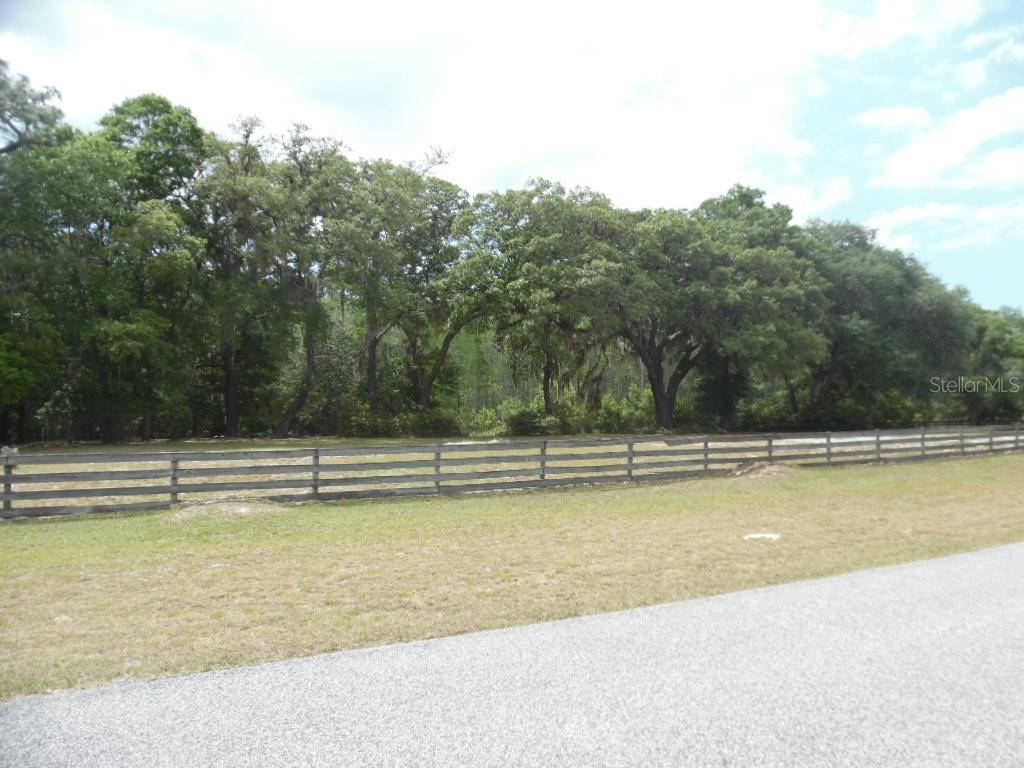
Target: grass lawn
pixel 101 598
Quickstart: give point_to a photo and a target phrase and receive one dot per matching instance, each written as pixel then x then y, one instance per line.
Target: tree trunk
pixel 590 386
pixel 146 428
pixel 664 397
pixel 794 403
pixel 5 425
pixel 729 419
pixel 230 364
pixel 112 429
pixel 284 426
pixel 665 391
pixel 665 400
pixel 823 384
pixel 426 393
pixel 429 378
pixel 24 422
pixel 664 404
pixel 549 373
pixel 372 340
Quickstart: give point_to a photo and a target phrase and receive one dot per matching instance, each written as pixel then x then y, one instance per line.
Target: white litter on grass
pixel 762 537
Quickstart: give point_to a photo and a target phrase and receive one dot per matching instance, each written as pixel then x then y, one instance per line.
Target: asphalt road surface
pixel 913 665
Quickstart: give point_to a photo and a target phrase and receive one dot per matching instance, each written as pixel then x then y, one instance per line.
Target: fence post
pixel 8 472
pixel 1016 436
pixel 828 446
pixel 629 459
pixel 963 448
pixel 706 465
pixel 924 450
pixel 771 449
pixel 992 440
pixel 316 472
pixel 174 479
pixel 878 444
pixel 437 470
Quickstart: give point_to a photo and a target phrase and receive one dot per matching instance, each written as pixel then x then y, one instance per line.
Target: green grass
pixel 100 598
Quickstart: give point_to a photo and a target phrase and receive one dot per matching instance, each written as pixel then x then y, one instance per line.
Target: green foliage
pixel 997 360
pixel 633 413
pixel 531 419
pixel 359 422
pixel 484 421
pixel 27 118
pixel 335 392
pixel 156 280
pixel 166 145
pixel 30 350
pixel 890 326
pixel 544 238
pixel 686 289
pixel 432 423
pixel 768 413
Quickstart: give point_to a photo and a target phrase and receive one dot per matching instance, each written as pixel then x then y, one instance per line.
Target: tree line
pixel 161 281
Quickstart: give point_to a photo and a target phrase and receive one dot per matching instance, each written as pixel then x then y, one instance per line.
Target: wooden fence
pixel 39 484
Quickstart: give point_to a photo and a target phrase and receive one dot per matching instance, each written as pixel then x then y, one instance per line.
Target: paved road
pixel 915 665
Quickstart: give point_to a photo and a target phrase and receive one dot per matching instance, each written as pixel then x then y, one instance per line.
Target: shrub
pixel 611 416
pixel 508 406
pixel 360 423
pixel 483 422
pixel 551 425
pixel 633 413
pixel 528 421
pixel 436 423
pixel 524 420
pixel 570 417
pixel 770 412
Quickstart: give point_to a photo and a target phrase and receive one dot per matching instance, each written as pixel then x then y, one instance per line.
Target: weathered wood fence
pixel 40 484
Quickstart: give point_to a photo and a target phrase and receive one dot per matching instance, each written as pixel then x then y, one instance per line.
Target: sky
pixel 906 116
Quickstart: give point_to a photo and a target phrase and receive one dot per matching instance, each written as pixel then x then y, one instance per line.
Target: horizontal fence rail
pixel 67 483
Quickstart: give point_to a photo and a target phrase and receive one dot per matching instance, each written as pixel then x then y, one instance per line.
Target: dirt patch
pixel 762 469
pixel 221 509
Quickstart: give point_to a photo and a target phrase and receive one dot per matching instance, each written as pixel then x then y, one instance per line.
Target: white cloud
pixel 1006 39
pixel 657 104
pixel 924 160
pixel 1006 46
pixel 999 167
pixel 953 226
pixel 895 20
pixel 890 118
pixel 972 74
pixel 808 203
pixel 906 243
pixel 887 223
